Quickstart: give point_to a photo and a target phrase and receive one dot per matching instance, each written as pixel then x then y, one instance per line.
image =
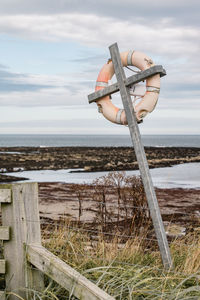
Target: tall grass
pixel 130 271
pixel 126 263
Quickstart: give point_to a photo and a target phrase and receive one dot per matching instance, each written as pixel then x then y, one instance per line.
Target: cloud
pixel 39 90
pixel 166 122
pixel 44 97
pixel 36 90
pixel 167 31
pixel 186 12
pixel 177 46
pixel 91 29
pixel 3 66
pixel 13 82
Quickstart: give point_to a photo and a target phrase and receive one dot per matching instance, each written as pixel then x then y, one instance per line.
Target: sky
pixel 52 51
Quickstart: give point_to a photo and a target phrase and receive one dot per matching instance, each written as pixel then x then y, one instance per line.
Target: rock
pixel 16 169
pixel 109 165
pixel 174 230
pixel 87 168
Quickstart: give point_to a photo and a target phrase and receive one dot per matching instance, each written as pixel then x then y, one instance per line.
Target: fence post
pixel 22 215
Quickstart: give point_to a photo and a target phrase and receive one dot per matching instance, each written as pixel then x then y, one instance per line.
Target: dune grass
pixel 126 268
pixel 129 271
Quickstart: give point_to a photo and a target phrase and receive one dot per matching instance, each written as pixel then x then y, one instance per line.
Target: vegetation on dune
pixel 128 271
pixel 123 259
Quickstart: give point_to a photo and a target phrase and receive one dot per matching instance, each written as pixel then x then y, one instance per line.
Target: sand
pixel 57 200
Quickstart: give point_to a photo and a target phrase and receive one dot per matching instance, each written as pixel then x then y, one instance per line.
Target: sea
pixel 61 140
pixel 185 176
pixel 180 176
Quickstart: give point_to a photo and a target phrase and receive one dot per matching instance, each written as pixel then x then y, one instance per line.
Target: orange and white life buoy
pixel 148 94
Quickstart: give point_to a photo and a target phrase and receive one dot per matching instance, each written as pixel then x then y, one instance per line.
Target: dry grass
pixel 125 267
pixel 129 271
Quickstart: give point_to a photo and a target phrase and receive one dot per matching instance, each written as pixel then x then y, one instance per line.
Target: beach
pixel 57 199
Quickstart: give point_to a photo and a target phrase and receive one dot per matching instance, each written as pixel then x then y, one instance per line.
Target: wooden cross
pixel 122 85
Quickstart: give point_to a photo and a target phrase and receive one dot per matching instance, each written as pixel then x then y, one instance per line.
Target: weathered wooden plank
pixel 2 295
pixel 23 215
pixel 4 233
pixel 2 266
pixel 5 195
pixel 64 275
pixel 111 89
pixel 129 81
pixel 158 69
pixel 141 158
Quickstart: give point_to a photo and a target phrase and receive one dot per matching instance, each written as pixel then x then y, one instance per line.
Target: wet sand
pixel 58 200
pixel 181 206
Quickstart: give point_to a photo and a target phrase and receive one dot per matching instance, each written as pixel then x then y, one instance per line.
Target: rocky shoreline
pixel 90 159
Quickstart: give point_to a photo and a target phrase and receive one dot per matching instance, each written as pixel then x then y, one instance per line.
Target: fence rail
pixel 64 275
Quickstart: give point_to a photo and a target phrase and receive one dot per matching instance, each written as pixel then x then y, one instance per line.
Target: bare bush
pixel 121 204
pixel 79 190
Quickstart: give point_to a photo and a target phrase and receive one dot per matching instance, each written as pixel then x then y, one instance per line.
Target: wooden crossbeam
pixel 111 89
pixel 64 275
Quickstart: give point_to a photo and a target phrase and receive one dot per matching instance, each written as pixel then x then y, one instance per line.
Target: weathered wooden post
pixel 122 86
pixel 22 215
pixel 5 197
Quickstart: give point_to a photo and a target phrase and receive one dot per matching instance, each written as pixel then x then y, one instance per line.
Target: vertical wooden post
pixel 22 216
pixel 141 157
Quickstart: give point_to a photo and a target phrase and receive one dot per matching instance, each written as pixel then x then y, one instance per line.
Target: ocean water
pixel 179 176
pixel 60 140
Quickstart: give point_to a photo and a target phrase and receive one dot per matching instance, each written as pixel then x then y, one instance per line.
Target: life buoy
pixel 148 94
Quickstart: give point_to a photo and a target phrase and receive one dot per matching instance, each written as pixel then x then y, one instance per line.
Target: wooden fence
pixel 25 259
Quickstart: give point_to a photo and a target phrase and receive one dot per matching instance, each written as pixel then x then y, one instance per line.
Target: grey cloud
pixel 21 90
pixel 91 59
pixel 76 87
pixel 173 123
pixel 3 67
pixel 177 104
pixel 180 88
pixel 182 12
pixel 8 84
pixel 7 74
